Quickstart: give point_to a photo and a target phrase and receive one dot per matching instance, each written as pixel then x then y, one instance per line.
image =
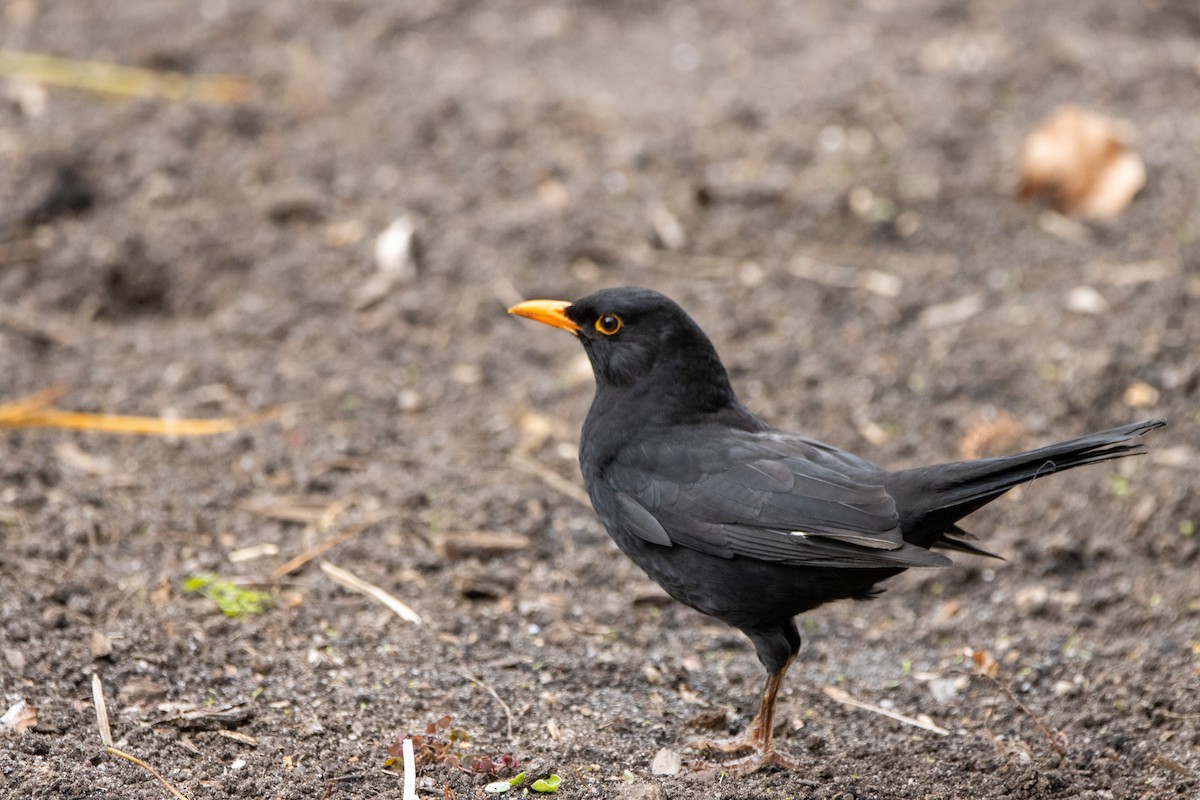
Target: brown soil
pixel 205 260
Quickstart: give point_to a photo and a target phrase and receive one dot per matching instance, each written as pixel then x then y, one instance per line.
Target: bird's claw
pixel 748 765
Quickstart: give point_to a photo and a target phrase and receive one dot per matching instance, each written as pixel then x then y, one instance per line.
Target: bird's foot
pixel 748 765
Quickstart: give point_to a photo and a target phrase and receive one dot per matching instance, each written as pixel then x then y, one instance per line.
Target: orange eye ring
pixel 608 324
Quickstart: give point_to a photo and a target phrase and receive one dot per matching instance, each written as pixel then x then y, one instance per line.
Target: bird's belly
pixel 744 592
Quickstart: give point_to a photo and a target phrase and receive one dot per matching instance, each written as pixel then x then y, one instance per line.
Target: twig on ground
pixel 558 484
pixel 1176 715
pixel 35 327
pixel 1058 740
pixel 324 545
pixel 357 584
pixel 333 511
pixel 833 693
pixel 106 737
pixel 487 687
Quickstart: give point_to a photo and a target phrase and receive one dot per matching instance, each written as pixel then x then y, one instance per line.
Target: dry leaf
pixel 1082 161
pixel 19 718
pixel 1140 394
pixel 991 436
pixel 985 665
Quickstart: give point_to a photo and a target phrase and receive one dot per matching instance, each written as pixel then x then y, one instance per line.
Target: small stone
pixel 101 645
pixel 946 689
pixel 408 401
pixel 666 762
pixel 1086 300
pixel 641 791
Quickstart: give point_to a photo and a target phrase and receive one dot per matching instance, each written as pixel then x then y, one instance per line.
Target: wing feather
pixel 761 495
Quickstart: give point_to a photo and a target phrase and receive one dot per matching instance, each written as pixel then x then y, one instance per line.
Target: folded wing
pixel 761 495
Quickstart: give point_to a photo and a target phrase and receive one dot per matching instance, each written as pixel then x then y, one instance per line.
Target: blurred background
pixel 218 208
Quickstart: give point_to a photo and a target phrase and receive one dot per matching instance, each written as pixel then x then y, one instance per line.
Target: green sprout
pixel 546 785
pixel 233 600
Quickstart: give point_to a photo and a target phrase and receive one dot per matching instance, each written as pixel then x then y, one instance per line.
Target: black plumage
pixel 746 523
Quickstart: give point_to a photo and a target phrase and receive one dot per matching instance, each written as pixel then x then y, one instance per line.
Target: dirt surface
pixel 827 186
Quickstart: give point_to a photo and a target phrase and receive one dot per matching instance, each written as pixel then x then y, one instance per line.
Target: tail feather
pixel 958 539
pixel 931 499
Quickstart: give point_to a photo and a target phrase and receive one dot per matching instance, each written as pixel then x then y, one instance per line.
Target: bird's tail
pixel 933 498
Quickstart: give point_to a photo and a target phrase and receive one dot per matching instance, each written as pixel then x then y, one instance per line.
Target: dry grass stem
pixel 102 78
pixel 101 711
pixel 488 688
pixel 1057 739
pixel 834 693
pixel 351 581
pixel 35 411
pixel 106 737
pixel 325 545
pixel 554 481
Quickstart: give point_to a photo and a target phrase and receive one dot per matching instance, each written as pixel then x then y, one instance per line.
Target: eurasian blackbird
pixel 747 523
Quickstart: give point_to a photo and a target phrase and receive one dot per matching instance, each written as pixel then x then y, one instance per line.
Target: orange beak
pixel 551 312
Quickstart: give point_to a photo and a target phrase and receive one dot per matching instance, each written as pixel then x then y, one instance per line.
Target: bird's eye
pixel 608 324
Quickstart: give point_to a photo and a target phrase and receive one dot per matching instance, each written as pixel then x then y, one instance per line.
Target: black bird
pixel 747 523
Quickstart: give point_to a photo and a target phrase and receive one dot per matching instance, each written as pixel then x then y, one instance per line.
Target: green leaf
pixel 233 600
pixel 198 582
pixel 518 779
pixel 546 785
pixel 497 787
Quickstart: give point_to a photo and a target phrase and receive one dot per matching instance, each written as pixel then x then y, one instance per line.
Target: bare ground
pixel 204 260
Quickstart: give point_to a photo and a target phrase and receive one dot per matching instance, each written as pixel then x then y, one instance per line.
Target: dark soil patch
pixel 160 257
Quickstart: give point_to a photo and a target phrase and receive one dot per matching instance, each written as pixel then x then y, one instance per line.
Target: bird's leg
pixel 759 735
pixel 751 736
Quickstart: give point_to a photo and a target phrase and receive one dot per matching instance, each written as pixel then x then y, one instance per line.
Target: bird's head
pixel 641 340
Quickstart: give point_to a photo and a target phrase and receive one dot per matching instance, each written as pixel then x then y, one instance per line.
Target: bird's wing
pixel 761 495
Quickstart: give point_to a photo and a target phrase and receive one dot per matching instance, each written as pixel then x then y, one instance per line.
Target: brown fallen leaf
pixel 985 665
pixel 1082 161
pixel 1140 394
pixel 19 718
pixel 991 436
